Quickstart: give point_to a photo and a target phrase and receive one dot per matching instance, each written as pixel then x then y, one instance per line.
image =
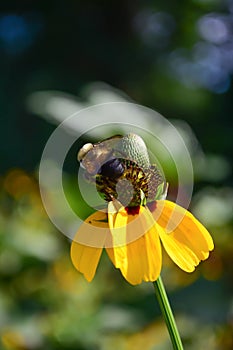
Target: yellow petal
pixel 138 259
pixel 119 227
pixel 85 259
pixel 117 221
pixel 93 232
pixel 189 242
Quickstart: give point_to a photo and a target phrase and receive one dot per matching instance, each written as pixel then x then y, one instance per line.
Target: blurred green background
pixel 174 57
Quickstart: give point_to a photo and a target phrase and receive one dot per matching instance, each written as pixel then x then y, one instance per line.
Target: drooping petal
pixel 118 236
pixel 113 208
pixel 85 257
pixel 184 238
pixel 139 259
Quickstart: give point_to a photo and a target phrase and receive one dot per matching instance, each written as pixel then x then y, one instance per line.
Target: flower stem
pixel 167 314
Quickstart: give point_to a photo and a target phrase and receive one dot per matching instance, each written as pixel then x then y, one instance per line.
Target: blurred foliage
pixel 175 57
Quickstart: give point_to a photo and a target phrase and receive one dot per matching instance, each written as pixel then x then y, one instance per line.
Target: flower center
pixel 124 180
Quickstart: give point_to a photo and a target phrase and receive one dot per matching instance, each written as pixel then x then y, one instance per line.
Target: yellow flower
pixel 131 237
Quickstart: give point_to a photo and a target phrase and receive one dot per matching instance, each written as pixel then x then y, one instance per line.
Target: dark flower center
pixel 124 180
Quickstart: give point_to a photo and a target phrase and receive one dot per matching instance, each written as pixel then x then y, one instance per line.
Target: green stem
pixel 167 314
